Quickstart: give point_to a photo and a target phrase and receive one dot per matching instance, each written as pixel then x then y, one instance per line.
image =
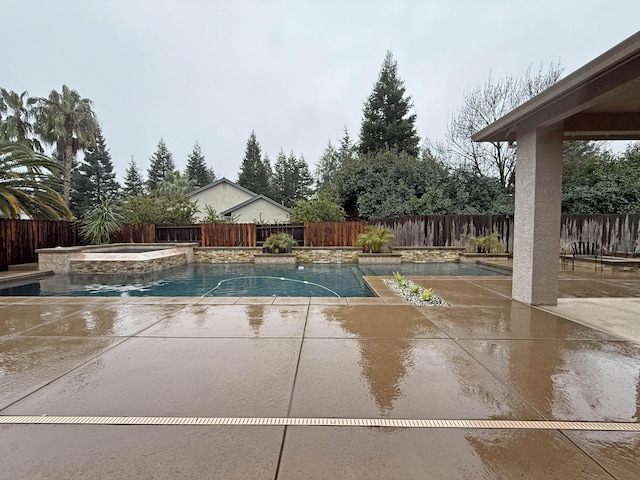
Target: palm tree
pixel 27 181
pixel 68 121
pixel 19 111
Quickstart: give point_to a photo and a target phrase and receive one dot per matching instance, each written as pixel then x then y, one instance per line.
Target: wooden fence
pixel 228 235
pixel 130 233
pixel 178 234
pixel 19 239
pixel 332 234
pixel 294 229
pixel 617 233
pixel 447 230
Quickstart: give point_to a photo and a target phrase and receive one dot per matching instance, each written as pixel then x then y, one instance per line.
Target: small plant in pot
pixel 279 243
pixel 373 239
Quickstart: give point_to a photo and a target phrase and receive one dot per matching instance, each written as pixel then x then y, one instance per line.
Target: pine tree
pixel 303 179
pixel 133 181
pixel 254 172
pixel 327 167
pixel 266 167
pixel 197 170
pixel 347 148
pixel 161 164
pixel 94 179
pixel 291 180
pixel 386 122
pixel 278 186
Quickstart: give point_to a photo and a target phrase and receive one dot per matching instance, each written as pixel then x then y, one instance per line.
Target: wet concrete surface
pixel 210 377
pixel 29 363
pixel 115 452
pixel 567 380
pixel 485 357
pixel 255 320
pixel 328 453
pixel 398 378
pixel 617 452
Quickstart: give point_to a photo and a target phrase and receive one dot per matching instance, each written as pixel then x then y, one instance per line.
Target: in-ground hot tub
pixel 115 258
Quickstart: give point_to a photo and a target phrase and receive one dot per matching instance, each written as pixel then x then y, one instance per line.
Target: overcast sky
pixel 296 72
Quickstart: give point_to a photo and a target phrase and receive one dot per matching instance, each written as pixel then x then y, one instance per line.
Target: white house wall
pixel 261 210
pixel 220 197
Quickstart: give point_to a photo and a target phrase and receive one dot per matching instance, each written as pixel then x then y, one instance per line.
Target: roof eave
pixel 505 128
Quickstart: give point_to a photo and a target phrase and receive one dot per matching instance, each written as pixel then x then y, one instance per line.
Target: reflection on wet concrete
pixel 486 357
pixel 18 318
pixel 567 380
pixel 29 362
pixel 400 368
pixel 259 320
pixel 97 320
pixel 255 313
pixel 617 452
pixel 511 321
pixel 381 453
pixel 219 377
pixel 384 363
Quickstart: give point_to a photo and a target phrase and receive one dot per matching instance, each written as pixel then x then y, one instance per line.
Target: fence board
pixel 178 234
pixel 615 232
pixel 264 231
pixel 19 239
pixel 332 234
pixel 447 230
pixel 130 233
pixel 228 234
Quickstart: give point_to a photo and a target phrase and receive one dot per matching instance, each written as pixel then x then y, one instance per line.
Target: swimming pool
pixel 236 280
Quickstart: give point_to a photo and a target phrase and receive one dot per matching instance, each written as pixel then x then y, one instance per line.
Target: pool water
pixel 237 280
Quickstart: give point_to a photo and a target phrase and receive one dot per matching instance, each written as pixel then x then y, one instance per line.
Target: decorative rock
pixel 414 298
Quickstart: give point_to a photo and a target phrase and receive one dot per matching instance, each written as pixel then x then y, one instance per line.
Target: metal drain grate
pixel 319 422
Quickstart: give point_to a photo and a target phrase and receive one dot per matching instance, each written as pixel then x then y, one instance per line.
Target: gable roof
pixel 252 200
pixel 223 180
pixel 599 101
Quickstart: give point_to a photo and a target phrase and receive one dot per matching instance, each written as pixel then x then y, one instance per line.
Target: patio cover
pixel 600 101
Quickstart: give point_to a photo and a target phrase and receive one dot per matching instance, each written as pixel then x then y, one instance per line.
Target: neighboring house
pixel 230 199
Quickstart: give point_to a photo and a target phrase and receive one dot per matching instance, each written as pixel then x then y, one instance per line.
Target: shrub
pixel 100 222
pixel 486 244
pixel 373 239
pixel 279 243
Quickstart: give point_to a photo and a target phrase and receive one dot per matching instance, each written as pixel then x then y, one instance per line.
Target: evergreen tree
pixel 161 164
pixel 327 167
pixel 266 166
pixel 323 207
pixel 347 148
pixel 254 172
pixel 292 180
pixel 94 179
pixel 596 180
pixel 133 181
pixel 197 170
pixel 386 122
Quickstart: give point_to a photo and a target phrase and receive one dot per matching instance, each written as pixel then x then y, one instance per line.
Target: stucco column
pixel 537 216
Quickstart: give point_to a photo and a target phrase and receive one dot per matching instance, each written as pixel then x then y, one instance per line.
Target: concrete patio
pixel 309 376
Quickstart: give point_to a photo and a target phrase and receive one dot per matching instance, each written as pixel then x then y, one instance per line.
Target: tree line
pixel 386 171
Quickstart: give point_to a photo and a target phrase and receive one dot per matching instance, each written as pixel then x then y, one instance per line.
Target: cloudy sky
pixel 296 72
